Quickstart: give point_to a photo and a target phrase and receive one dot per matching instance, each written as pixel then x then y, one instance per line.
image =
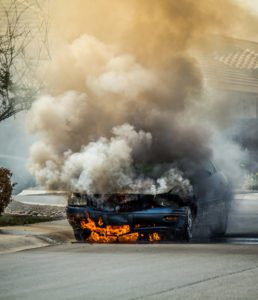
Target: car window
pixel 205 170
pixel 153 170
pixel 208 167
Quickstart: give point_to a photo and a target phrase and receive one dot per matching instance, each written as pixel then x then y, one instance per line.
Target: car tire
pixel 81 235
pixel 221 228
pixel 186 233
pixel 222 225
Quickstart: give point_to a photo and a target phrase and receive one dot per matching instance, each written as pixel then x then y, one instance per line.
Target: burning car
pixel 153 216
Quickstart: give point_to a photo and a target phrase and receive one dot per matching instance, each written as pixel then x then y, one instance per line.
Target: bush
pixel 251 182
pixel 6 188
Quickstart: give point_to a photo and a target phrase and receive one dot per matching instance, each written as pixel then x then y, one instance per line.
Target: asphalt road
pixel 168 271
pixel 227 269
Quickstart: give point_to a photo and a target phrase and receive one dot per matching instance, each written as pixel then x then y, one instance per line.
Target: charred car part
pixel 147 215
pixel 98 217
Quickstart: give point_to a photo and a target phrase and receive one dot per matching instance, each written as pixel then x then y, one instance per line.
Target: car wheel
pixel 221 227
pixel 186 233
pixel 200 229
pixel 81 235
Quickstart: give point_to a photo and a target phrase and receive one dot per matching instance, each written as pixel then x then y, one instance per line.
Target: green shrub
pixel 6 188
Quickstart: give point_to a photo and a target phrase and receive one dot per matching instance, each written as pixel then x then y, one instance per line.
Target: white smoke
pixel 171 181
pixel 117 96
pixel 104 166
pixel 122 76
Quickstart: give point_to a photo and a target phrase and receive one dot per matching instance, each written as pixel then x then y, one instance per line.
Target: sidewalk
pixel 17 238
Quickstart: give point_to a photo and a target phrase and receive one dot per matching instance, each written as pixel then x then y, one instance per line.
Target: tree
pixel 6 188
pixel 18 87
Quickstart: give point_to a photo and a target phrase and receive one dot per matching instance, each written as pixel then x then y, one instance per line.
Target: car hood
pixel 131 202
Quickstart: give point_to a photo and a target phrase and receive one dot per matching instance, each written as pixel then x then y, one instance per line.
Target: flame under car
pixel 133 217
pixel 130 217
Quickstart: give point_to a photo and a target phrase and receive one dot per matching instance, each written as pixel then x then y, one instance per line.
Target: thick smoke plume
pixel 122 90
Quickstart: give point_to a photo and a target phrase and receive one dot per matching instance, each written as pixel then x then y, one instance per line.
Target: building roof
pixel 244 59
pixel 232 65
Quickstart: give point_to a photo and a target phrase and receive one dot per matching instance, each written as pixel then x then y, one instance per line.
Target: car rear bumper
pixel 151 220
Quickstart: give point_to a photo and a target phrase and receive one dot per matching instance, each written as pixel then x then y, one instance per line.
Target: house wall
pixel 237 105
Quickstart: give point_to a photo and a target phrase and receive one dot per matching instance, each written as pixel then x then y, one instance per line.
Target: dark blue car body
pixel 157 219
pixel 204 213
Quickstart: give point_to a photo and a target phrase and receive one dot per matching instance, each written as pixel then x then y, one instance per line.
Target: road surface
pixel 227 269
pixel 167 271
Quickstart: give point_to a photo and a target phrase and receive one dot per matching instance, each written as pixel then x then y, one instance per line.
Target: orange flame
pixel 112 234
pixel 154 237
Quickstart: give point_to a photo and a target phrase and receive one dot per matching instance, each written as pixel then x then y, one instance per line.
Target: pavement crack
pixel 196 282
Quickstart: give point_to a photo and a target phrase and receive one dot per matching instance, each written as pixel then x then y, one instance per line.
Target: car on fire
pixel 141 216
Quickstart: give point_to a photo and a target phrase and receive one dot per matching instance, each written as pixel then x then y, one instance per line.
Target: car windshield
pixel 153 171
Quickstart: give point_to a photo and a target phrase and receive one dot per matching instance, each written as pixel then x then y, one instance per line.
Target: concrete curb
pixel 18 238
